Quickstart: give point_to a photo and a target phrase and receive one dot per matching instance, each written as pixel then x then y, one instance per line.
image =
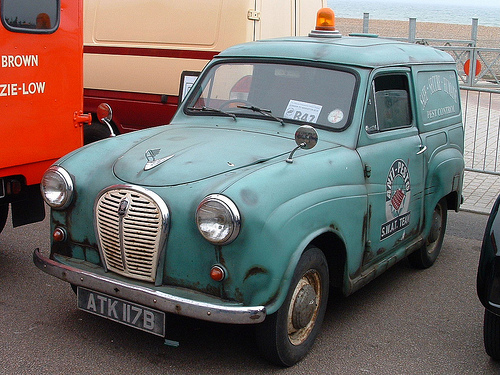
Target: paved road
pixel 404 322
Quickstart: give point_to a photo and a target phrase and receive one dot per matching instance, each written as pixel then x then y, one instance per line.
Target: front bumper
pixel 224 312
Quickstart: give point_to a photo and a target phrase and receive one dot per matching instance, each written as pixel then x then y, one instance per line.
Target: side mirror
pixel 104 115
pixel 306 137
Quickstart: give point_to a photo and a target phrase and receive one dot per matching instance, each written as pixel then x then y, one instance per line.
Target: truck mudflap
pixel 225 312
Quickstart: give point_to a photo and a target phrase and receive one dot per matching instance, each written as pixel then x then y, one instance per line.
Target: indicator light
pixel 218 273
pixel 59 235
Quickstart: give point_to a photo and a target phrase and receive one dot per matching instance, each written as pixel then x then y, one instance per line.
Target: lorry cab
pixel 41 89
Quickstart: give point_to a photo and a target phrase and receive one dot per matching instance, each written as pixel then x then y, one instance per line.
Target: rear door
pixel 41 86
pixel 278 18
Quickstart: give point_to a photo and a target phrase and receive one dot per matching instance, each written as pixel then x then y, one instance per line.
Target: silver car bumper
pixel 220 313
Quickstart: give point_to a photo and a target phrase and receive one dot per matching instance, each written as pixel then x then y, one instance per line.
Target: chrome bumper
pixel 220 313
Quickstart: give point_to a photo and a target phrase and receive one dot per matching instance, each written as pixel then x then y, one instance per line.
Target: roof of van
pixel 349 50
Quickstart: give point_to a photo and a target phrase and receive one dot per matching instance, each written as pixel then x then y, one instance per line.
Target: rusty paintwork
pixel 235 153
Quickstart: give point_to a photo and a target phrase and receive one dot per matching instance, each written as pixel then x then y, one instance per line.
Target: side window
pixel 30 16
pixel 388 104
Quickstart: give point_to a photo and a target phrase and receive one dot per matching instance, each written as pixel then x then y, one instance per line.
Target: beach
pixel 488 36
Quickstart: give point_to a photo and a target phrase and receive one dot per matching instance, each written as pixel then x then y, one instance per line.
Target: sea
pixel 423 12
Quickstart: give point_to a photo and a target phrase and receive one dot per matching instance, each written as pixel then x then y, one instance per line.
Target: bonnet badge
pixel 122 209
pixel 151 158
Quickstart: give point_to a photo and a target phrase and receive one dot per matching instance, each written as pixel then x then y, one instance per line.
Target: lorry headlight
pixel 218 219
pixel 57 187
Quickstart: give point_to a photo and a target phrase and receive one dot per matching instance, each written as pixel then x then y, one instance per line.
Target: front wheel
pixel 286 336
pixel 428 253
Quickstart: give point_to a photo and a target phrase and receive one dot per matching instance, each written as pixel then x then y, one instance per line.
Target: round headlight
pixel 57 187
pixel 218 219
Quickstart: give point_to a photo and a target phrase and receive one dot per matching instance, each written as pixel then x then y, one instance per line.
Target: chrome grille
pixel 131 225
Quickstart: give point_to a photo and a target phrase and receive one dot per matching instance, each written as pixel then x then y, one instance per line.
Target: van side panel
pixel 439 117
pixel 158 22
pixel 438 98
pixel 161 40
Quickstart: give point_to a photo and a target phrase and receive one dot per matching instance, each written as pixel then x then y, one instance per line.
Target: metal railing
pixel 481 116
pixel 485 62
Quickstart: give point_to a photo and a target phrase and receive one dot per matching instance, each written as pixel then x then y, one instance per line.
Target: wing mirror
pixel 104 115
pixel 306 137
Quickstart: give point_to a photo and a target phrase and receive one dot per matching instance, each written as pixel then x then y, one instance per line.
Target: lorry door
pixel 41 96
pixel 41 84
pixel 392 154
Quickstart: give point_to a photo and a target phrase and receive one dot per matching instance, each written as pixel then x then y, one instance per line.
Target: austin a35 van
pixel 293 167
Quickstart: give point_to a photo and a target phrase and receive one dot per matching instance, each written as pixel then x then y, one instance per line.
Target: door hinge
pixel 368 171
pixel 80 118
pixel 253 15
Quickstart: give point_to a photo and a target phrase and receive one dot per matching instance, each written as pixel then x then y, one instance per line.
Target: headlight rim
pixel 68 183
pixel 231 207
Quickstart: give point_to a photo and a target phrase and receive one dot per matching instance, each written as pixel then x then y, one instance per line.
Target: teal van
pixel 293 167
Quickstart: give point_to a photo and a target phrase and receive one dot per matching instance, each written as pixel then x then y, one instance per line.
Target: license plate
pixel 125 312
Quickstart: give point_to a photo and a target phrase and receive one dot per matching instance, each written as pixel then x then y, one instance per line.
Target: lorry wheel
pixel 286 336
pixel 428 253
pixel 491 334
pixel 4 212
pixel 94 132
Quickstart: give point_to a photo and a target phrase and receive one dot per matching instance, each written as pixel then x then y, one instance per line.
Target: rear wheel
pixel 428 253
pixel 286 336
pixel 4 212
pixel 491 334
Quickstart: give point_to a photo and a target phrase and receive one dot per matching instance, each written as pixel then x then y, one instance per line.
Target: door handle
pixel 423 148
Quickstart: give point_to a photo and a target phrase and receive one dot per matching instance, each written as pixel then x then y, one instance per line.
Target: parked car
pixel 294 166
pixel 488 283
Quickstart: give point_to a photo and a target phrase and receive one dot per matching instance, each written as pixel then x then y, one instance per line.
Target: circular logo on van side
pixel 397 199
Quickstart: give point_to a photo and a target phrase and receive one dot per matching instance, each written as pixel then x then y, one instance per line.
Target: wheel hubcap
pixel 304 307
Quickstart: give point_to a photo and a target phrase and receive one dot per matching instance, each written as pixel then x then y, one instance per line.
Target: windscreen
pixel 294 93
pixel 30 16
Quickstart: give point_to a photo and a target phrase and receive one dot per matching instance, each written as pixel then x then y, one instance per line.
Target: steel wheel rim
pixel 436 229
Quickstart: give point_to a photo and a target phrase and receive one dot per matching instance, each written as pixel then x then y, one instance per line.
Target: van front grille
pixel 132 225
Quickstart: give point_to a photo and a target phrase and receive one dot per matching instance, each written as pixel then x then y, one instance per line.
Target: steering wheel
pixel 233 103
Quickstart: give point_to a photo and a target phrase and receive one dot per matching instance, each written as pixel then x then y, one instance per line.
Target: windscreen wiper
pixel 265 112
pixel 208 109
